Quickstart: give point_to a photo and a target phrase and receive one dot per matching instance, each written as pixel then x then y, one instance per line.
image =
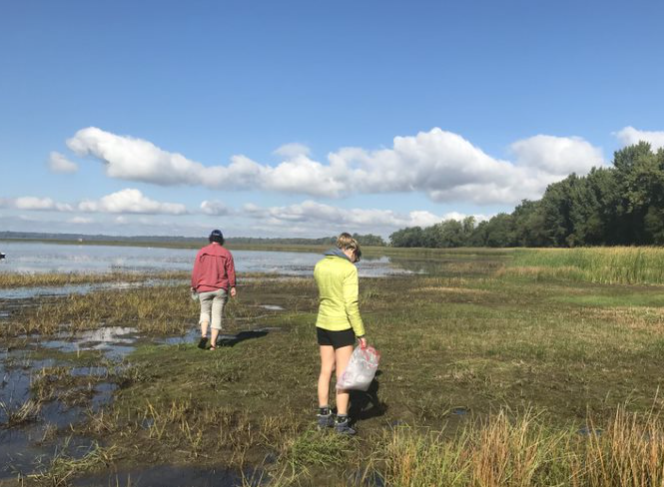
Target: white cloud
pixel 135 159
pixel 130 201
pixel 557 156
pixel 292 150
pixel 631 136
pixel 39 204
pixel 441 164
pixel 59 163
pixel 215 208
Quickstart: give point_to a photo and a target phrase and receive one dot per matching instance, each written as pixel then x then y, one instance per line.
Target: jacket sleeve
pixel 351 292
pixel 230 270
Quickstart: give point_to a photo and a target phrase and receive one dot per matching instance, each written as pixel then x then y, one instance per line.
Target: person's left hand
pixel 363 343
pixel 233 292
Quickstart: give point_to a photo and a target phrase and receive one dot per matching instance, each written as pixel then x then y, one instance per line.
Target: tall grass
pixel 605 265
pixel 500 452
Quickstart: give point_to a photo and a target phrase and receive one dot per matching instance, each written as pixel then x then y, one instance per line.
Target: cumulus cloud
pixel 557 156
pixel 631 136
pixel 215 208
pixel 441 164
pixel 309 213
pixel 130 201
pixel 59 163
pixel 39 204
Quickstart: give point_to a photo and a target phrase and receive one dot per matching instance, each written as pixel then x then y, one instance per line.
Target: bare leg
pixel 204 328
pixel 214 334
pixel 326 369
pixel 343 355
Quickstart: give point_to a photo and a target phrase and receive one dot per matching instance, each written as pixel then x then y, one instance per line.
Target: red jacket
pixel 213 269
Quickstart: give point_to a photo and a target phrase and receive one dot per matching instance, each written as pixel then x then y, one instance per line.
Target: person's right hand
pixel 363 342
pixel 233 292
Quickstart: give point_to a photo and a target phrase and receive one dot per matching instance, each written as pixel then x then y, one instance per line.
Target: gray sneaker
pixel 343 427
pixel 325 421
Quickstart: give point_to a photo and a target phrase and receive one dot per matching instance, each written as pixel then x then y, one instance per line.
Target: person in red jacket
pixel 213 278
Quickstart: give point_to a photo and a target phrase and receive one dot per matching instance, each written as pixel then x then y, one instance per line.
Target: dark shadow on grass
pixel 231 341
pixel 366 405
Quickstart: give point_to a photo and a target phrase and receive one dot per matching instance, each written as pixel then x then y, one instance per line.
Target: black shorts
pixel 337 339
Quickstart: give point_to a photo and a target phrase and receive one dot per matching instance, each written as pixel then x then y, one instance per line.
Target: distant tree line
pixel 618 205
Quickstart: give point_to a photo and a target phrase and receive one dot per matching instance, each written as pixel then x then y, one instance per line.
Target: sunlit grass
pixel 606 265
pixel 524 451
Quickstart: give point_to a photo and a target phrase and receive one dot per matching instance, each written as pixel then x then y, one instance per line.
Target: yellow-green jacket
pixel 338 289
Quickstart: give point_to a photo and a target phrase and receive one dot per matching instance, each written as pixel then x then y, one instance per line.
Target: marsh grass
pixel 21 414
pixel 605 265
pixel 61 468
pixel 500 451
pixel 58 383
pixel 316 448
pixel 156 310
pixel 25 279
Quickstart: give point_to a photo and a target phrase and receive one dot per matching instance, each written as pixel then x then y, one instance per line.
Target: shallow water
pixel 40 257
pixel 21 447
pixel 113 341
pixel 45 291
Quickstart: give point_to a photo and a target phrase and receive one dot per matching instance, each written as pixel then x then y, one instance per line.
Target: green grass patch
pixel 608 265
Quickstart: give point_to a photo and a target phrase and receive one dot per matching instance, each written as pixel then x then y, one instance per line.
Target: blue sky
pixel 304 118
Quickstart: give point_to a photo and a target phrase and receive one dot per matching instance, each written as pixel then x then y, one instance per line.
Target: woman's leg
pixel 217 312
pixel 327 359
pixel 342 357
pixel 204 320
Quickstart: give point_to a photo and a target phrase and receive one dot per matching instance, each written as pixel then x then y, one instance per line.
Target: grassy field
pixel 497 370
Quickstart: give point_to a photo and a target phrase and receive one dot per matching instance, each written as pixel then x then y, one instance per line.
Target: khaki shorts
pixel 212 307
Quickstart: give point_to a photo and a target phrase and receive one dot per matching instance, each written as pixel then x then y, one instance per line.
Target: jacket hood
pixel 336 253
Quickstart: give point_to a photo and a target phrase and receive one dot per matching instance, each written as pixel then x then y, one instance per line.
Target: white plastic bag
pixel 361 369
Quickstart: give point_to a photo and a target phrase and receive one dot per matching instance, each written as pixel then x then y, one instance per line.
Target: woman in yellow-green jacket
pixel 338 325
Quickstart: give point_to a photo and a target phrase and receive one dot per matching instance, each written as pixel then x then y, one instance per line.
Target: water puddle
pixel 21 450
pixel 113 341
pixel 14 390
pixel 38 435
